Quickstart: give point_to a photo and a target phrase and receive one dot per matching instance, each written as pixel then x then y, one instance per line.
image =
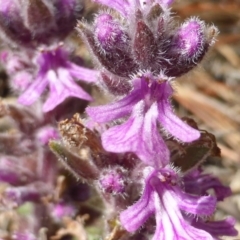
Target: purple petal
pixel 170 223
pixel 152 145
pixel 207 182
pixel 62 88
pixel 82 73
pixel 136 215
pixel 124 137
pixel 34 91
pixel 174 125
pixel 200 183
pixel 201 206
pixel 139 135
pixel 217 228
pixel 122 107
pixel 115 110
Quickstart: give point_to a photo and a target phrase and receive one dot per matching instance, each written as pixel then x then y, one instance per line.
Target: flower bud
pixel 77 165
pixel 109 33
pixel 19 68
pixel 189 45
pixel 113 181
pixel 117 61
pixel 23 236
pixel 21 80
pixel 189 39
pixel 165 3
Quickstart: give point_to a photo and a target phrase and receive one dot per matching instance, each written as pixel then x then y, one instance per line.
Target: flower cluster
pixel 140 50
pixel 139 161
pixel 140 57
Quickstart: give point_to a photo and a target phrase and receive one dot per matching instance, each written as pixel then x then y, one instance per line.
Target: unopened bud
pixel 189 45
pixel 117 61
pixel 109 33
pixel 113 181
pixel 77 165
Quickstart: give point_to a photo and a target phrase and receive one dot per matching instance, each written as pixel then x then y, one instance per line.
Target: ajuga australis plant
pixel 130 169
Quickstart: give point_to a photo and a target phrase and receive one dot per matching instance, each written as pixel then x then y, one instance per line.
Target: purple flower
pixel 59 74
pixel 146 105
pixel 163 197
